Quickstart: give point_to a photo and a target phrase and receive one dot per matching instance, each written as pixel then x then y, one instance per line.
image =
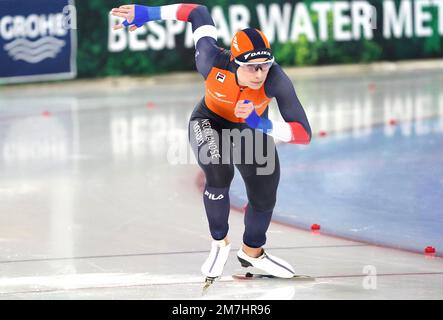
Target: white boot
pixel 270 264
pixel 213 266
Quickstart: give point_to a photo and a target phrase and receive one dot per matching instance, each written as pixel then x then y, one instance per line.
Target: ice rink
pixel 100 196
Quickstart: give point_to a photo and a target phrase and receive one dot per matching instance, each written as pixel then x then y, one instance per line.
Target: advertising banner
pixel 37 40
pixel 303 32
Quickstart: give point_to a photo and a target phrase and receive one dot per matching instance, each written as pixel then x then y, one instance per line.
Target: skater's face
pixel 253 74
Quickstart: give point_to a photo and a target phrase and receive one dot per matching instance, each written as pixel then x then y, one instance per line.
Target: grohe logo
pixel 33 38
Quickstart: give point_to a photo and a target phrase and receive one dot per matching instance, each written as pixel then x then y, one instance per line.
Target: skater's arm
pixel 203 27
pixel 295 128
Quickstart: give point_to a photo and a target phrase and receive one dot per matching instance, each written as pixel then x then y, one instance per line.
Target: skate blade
pixel 208 282
pixel 262 276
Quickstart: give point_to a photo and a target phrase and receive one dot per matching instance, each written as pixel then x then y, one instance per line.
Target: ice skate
pixel 272 265
pixel 212 268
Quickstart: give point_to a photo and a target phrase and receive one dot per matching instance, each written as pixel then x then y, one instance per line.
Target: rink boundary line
pixel 94 108
pixel 316 134
pixel 123 82
pixel 381 275
pixel 169 253
pixel 226 279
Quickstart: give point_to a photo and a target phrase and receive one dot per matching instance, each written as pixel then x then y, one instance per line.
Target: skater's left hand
pixel 243 109
pixel 127 12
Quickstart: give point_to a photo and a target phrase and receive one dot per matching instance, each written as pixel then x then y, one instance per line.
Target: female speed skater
pixel 239 85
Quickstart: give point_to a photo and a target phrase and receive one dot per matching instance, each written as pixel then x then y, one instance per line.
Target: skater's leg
pixel 205 136
pixel 261 191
